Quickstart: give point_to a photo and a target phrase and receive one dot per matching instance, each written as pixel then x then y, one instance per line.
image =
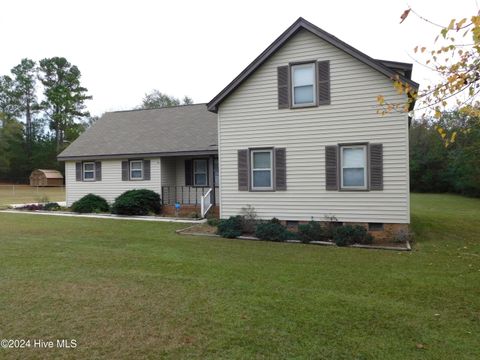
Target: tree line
pixel 43 110
pixel 440 165
pixel 33 128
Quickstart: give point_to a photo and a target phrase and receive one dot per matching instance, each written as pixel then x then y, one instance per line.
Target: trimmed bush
pixel 272 231
pixel 249 219
pixel 351 234
pixel 275 221
pixel 90 203
pixel 313 231
pixel 51 206
pixel 137 202
pixel 231 227
pixel 213 221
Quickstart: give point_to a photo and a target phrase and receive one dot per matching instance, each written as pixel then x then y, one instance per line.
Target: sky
pixel 125 49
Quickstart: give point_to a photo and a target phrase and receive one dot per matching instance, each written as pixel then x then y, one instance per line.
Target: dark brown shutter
pixel 78 171
pixel 188 172
pixel 280 169
pixel 331 167
pixel 323 75
pixel 125 170
pixel 376 166
pixel 283 87
pixel 98 171
pixel 243 170
pixel 146 169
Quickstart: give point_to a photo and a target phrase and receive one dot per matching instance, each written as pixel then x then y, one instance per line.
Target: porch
pixel 190 184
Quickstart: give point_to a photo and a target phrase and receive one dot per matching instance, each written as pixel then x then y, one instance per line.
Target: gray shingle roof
pixel 176 130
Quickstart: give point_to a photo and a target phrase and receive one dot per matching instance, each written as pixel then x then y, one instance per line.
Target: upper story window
pixel 200 172
pixel 136 169
pixel 262 169
pixel 354 167
pixel 89 171
pixel 303 84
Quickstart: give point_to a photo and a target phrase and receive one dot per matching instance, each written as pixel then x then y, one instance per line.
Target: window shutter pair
pixel 279 169
pixel 375 167
pixel 323 84
pixel 126 170
pixel 79 171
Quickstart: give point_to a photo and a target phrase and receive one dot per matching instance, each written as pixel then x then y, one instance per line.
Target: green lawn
pixel 127 289
pixel 22 194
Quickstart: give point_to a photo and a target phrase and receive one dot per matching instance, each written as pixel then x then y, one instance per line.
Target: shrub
pixel 90 204
pixel 213 221
pixel 351 234
pixel 331 223
pixel 275 221
pixel 194 215
pixel 291 235
pixel 249 219
pixel 137 202
pixel 31 207
pixel 272 231
pixel 313 231
pixel 230 228
pixel 402 236
pixel 51 206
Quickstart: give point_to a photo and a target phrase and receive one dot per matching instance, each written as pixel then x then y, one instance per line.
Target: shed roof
pixel 50 174
pixel 178 130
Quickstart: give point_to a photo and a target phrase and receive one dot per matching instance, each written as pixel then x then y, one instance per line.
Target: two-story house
pixel 296 135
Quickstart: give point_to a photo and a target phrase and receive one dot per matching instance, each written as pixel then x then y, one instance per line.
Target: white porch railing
pixel 206 202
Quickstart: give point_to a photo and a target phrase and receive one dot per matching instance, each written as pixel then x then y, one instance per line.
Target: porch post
pixel 211 176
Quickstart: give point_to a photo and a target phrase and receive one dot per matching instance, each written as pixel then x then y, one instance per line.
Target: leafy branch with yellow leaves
pixel 455 60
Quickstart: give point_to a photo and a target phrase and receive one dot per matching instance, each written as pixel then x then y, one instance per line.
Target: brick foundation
pixel 389 232
pixel 188 211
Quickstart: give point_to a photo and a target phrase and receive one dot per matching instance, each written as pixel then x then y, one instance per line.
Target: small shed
pixel 42 177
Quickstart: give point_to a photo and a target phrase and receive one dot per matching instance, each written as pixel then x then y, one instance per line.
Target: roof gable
pixel 301 23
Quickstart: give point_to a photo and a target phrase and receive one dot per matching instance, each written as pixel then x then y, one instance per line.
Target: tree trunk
pixel 57 137
pixel 28 118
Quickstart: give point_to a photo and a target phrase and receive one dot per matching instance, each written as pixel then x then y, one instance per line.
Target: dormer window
pixel 303 85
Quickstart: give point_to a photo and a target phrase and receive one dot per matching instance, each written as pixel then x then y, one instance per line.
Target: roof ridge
pixel 158 108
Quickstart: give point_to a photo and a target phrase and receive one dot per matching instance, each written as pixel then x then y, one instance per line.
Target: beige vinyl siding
pixel 111 184
pixel 168 171
pixel 180 171
pixel 250 118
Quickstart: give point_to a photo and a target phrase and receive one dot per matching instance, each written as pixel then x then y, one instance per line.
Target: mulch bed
pixel 207 230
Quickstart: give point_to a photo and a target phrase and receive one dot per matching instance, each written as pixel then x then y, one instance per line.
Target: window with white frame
pixel 262 169
pixel 89 171
pixel 303 84
pixel 136 169
pixel 200 172
pixel 354 167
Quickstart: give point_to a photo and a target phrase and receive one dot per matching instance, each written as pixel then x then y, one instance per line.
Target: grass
pixel 22 194
pixel 126 289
